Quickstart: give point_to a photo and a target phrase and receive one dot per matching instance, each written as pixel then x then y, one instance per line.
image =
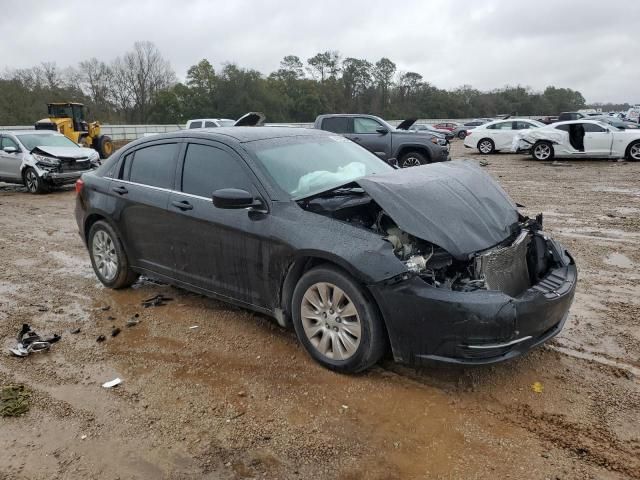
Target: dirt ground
pixel 237 397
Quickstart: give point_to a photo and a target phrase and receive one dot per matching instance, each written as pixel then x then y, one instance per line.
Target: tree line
pixel 142 87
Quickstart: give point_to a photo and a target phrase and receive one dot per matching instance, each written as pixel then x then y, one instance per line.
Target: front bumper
pixel 426 323
pixel 55 178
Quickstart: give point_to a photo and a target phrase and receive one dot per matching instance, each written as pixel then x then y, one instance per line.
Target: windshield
pixel 226 123
pixel 306 165
pixel 33 140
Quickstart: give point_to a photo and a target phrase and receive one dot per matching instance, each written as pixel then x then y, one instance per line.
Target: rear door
pixel 597 140
pixel 225 251
pixel 365 133
pixel 141 191
pixel 10 162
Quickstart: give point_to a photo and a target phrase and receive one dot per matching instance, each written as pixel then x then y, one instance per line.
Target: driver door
pixel 365 133
pixel 10 162
pixel 597 140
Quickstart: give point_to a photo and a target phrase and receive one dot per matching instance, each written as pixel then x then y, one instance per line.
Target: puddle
pixel 619 260
pixel 627 191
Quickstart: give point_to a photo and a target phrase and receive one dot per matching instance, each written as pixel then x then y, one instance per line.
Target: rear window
pixel 154 166
pixel 209 124
pixel 336 124
pixel 195 125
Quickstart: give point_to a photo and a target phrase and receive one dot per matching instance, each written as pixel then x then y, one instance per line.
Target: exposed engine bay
pixel 512 266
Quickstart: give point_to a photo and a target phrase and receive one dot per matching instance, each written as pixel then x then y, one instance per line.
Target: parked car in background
pixel 305 226
pixel 210 123
pixel 548 119
pixel 450 126
pixel 616 122
pixel 408 147
pixel 580 139
pixel 42 159
pixel 426 127
pixel 498 135
pixel 564 116
pixel 461 130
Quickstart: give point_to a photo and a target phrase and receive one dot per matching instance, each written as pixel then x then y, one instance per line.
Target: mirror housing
pixel 10 150
pixel 234 198
pixel 382 130
pixel 393 162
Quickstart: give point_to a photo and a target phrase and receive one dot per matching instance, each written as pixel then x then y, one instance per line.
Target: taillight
pixel 79 186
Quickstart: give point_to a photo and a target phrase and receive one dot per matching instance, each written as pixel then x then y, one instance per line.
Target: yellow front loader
pixel 69 119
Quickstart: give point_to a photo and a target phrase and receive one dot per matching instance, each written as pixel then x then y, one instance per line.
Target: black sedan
pixel 434 261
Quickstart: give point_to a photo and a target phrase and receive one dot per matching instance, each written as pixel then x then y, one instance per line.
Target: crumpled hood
pixel 64 152
pixel 455 205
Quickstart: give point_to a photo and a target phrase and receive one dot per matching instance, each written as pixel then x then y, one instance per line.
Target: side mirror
pixel 10 150
pixel 234 198
pixel 382 130
pixel 393 162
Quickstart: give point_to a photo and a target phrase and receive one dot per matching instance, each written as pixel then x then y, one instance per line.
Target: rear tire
pixel 412 159
pixel 633 151
pixel 462 134
pixel 104 146
pixel 33 181
pixel 339 326
pixel 542 151
pixel 108 258
pixel 486 146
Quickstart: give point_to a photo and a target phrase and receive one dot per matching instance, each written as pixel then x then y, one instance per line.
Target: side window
pixel 154 166
pixel 365 125
pixel 593 128
pixel 209 124
pixel 7 142
pixel 564 127
pixel 522 125
pixel 207 169
pixel 501 126
pixel 195 125
pixel 336 124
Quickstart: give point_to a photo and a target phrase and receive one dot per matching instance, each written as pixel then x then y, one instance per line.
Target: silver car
pixel 42 159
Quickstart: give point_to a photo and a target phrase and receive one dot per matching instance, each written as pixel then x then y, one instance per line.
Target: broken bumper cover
pixel 427 323
pixel 55 178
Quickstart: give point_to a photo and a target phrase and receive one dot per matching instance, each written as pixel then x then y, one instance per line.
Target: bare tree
pixel 138 76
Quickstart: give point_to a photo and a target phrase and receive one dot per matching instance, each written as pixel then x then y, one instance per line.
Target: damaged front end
pixel 456 304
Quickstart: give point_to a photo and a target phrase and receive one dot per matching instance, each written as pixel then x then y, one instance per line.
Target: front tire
pixel 34 182
pixel 412 159
pixel 462 134
pixel 104 146
pixel 542 151
pixel 633 151
pixel 108 258
pixel 486 146
pixel 336 322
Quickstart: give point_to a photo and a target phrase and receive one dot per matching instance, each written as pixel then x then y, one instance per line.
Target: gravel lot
pixel 237 397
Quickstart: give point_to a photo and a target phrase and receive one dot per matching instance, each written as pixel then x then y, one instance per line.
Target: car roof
pixel 580 120
pixel 208 119
pixel 32 132
pixel 242 134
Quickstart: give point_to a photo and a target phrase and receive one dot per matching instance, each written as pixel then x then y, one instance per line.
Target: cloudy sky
pixel 588 45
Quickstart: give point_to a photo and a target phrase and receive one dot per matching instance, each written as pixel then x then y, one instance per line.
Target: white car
pixel 498 135
pixel 210 123
pixel 580 138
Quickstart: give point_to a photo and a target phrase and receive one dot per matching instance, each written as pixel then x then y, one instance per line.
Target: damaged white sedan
pixel 579 138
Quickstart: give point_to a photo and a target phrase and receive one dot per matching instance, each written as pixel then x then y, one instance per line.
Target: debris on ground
pixel 112 383
pixel 537 387
pixel 106 308
pixel 14 400
pixel 156 301
pixel 556 163
pixel 484 163
pixel 194 327
pixel 133 321
pixel 75 331
pixel 115 332
pixel 29 341
pixel 101 338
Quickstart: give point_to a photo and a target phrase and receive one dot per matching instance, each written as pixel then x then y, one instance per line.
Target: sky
pixel 590 46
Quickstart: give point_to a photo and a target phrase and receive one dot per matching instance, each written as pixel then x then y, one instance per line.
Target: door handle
pixel 120 190
pixel 183 205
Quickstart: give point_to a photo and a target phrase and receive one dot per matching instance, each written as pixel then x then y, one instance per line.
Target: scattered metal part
pixel 115 332
pixel 156 301
pixel 29 341
pixel 133 321
pixel 112 383
pixel 14 400
pixel 101 338
pixel 106 308
pixel 77 330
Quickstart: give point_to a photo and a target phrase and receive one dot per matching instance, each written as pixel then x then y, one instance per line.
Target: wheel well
pixel 628 149
pixel 421 150
pixel 88 223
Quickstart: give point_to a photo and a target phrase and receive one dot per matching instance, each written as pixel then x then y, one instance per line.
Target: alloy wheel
pixel 104 255
pixel 330 321
pixel 485 147
pixel 542 151
pixel 634 152
pixel 31 179
pixel 411 162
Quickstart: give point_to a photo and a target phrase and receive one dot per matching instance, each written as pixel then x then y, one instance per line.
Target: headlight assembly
pixel 46 161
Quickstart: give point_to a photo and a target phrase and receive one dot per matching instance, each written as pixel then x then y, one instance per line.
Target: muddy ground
pixel 237 397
